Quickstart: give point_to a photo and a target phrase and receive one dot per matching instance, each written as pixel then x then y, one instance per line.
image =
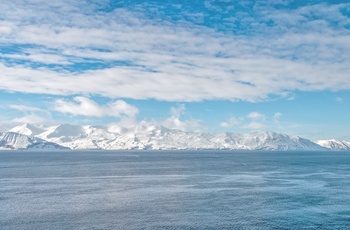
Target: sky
pixel 193 65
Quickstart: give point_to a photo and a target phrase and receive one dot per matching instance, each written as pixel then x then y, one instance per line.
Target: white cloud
pixel 255 126
pixel 30 115
pixel 86 107
pixel 25 108
pixel 254 121
pixel 167 83
pixel 232 121
pixel 256 116
pixel 30 119
pixel 39 57
pixel 173 61
pixel 178 111
pixel 175 121
pixel 277 116
pixel 339 99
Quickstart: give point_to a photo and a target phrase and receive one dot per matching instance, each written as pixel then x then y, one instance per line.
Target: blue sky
pixel 209 65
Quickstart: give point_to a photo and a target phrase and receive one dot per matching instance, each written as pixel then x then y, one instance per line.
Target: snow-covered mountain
pixel 11 140
pixel 27 129
pixel 78 137
pixel 148 136
pixel 335 144
pixel 159 137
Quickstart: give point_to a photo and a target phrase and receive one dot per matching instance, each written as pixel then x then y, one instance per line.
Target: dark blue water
pixel 174 190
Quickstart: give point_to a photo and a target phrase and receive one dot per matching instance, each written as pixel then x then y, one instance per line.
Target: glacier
pixel 146 136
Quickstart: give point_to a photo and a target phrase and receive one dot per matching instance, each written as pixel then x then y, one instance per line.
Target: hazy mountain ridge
pixel 153 137
pixel 335 144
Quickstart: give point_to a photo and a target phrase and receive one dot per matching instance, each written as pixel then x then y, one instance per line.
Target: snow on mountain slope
pixel 27 129
pixel 78 137
pixel 67 130
pixel 63 133
pixel 261 140
pixel 159 137
pixel 94 138
pixel 11 140
pixel 334 144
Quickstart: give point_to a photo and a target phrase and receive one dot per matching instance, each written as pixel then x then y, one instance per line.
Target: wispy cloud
pixel 39 57
pixel 253 121
pixel 339 99
pixel 25 108
pixel 30 115
pixel 30 119
pixel 86 107
pixel 277 116
pixel 232 121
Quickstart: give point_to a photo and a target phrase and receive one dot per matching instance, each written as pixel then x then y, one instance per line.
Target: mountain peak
pixel 67 130
pixel 12 140
pixel 27 129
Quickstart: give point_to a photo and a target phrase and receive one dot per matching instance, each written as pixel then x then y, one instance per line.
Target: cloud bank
pixel 91 48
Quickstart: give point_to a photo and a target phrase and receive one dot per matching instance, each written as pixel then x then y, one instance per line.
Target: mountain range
pixel 145 136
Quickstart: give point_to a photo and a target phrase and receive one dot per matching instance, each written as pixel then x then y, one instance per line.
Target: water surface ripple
pixel 174 190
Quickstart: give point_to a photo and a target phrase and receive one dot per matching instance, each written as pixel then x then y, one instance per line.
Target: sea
pixel 174 190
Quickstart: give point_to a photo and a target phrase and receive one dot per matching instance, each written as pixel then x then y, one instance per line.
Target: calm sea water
pixel 174 190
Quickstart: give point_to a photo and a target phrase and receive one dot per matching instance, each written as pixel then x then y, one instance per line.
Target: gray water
pixel 174 190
